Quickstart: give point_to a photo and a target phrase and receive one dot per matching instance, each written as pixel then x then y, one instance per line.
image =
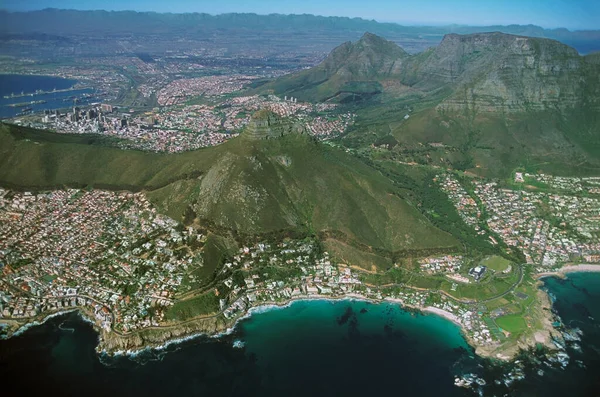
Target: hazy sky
pixel 572 14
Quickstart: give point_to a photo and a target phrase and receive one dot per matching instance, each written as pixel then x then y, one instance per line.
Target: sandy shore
pixel 582 268
pixel 585 267
pixel 443 313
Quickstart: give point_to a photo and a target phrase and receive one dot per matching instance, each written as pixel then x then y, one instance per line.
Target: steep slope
pixel 495 101
pixel 500 72
pixel 515 101
pixel 250 185
pixel 492 72
pixel 351 71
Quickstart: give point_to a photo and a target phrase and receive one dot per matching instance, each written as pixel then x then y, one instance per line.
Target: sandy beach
pixel 443 313
pixel 582 268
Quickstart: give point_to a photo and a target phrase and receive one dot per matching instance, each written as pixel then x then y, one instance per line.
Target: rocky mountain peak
pixel 265 124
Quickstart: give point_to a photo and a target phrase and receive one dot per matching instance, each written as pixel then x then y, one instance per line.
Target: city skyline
pixel 574 15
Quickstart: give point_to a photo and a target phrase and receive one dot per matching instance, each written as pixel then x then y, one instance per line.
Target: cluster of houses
pixel 181 90
pixel 108 253
pixel 577 185
pixel 466 205
pixel 189 127
pixel 307 274
pixel 441 264
pixel 549 228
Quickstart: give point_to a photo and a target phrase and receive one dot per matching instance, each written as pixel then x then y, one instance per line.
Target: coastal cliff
pixel 111 342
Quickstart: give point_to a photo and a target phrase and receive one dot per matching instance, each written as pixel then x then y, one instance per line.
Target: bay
pixel 11 84
pixel 310 348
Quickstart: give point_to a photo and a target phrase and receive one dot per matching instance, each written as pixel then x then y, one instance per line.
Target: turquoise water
pixel 577 301
pixel 354 347
pixel 311 348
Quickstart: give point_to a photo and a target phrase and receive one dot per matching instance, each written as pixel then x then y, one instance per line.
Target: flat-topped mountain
pixel 501 72
pixel 493 71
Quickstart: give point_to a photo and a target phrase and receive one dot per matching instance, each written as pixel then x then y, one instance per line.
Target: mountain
pixel 265 124
pixel 269 28
pixel 351 71
pixel 500 72
pixel 256 184
pixel 493 101
pixel 490 71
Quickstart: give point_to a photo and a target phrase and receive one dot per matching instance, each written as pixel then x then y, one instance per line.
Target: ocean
pixel 310 348
pixel 17 84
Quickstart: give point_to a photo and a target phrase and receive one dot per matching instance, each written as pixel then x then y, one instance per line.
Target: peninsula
pixel 379 175
pixel 145 279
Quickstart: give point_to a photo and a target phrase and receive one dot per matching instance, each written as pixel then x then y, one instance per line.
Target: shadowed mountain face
pixel 490 71
pixel 352 71
pixel 499 72
pixel 495 101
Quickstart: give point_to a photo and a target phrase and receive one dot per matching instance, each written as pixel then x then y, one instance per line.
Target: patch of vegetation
pixel 513 323
pixel 496 263
pixel 206 303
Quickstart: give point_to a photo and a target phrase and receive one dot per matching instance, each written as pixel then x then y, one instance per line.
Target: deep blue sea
pixel 311 348
pixel 17 84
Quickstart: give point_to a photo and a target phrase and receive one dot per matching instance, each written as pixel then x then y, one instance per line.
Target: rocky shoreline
pixel 113 343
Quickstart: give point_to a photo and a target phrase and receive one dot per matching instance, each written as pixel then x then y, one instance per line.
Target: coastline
pixel 32 324
pixel 113 344
pixel 563 271
pixel 443 313
pixel 137 342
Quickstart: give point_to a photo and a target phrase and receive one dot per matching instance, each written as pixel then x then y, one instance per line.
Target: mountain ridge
pixel 492 71
pixel 350 70
pixel 496 101
pixel 73 22
pixel 247 187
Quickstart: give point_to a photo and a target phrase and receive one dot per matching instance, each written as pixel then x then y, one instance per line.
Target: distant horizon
pixel 407 23
pixel 549 14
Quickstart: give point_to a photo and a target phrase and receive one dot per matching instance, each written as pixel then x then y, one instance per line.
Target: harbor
pixel 41 93
pixel 44 92
pixel 26 104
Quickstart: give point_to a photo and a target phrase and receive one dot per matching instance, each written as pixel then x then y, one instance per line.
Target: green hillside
pixel 245 186
pixel 486 102
pixel 489 144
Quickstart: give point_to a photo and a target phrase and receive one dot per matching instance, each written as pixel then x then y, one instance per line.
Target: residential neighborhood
pixel 550 228
pixel 126 267
pixel 109 253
